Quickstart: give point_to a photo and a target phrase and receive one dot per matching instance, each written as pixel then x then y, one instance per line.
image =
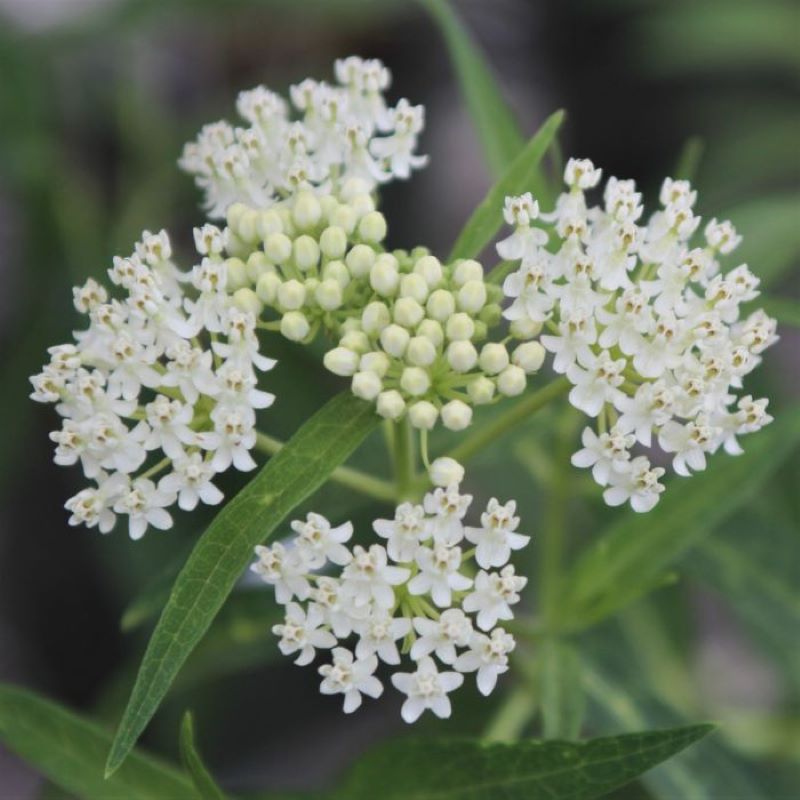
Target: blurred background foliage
pixel 96 100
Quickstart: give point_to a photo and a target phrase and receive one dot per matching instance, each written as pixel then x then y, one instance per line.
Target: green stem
pixel 512 717
pixel 403 455
pixel 367 485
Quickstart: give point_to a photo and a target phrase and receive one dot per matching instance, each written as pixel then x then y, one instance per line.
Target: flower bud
pixel 431 329
pixel 362 204
pixel 341 361
pixel 494 358
pixel 355 340
pixel 267 287
pixel 421 351
pixel 525 328
pixel 329 294
pixel 480 331
pixel 467 270
pixel 384 277
pixel 291 295
pixel 306 253
pixel 375 317
pixel 408 312
pixel 491 314
pixel 237 274
pixel 375 361
pixel 333 242
pixel 257 265
pixel 462 356
pixel 456 415
pixel 414 286
pixel 366 385
pixel 430 268
pixel 529 356
pixel 511 381
pixel 459 327
pixel 353 187
pixel 441 305
pixel 445 472
pixel 472 296
pixel 246 299
pixel 268 222
pixel 422 415
pixel 360 260
pixel 415 381
pixel 372 227
pixel 278 247
pixel 247 227
pixel 307 211
pixel 481 390
pixel 394 340
pixel 391 404
pixel 234 214
pixel 343 216
pixel 294 326
pixel 337 271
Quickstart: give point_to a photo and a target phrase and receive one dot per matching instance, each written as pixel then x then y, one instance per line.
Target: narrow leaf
pixel 71 750
pixel 520 177
pixel 629 557
pixel 226 548
pixel 494 122
pixel 562 699
pixel 468 769
pixel 201 777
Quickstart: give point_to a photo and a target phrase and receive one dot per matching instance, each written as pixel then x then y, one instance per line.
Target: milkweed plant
pixel 638 316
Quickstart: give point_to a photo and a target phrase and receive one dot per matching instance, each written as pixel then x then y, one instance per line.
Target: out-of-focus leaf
pixel 628 558
pixel 203 781
pixel 494 122
pixel 487 218
pixel 689 159
pixel 225 549
pixel 562 699
pixel 770 235
pixel 152 598
pixel 420 769
pixel 71 751
pixel 785 310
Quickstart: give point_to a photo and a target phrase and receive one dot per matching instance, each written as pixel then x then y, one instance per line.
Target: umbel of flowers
pixel 645 325
pixel 420 602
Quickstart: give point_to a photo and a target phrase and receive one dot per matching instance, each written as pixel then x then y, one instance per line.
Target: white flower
pixel 318 542
pixel 597 385
pixel 167 427
pixel 369 578
pixel 378 634
pixel 93 506
pixel 426 688
pixel 442 636
pixel 438 574
pixel 488 655
pixel 191 481
pixel 494 594
pixel 448 508
pixel 404 533
pixel 232 439
pixel 639 484
pixel 301 632
pixel 350 677
pixel 496 538
pixel 689 442
pixel 604 453
pixel 145 505
pixel 340 614
pixel 284 569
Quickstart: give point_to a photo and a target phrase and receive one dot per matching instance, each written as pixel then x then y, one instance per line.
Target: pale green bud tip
pixel 360 260
pixel 511 381
pixel 460 327
pixel 376 362
pixel 415 381
pixel 462 356
pixel 456 415
pixel 372 227
pixel 329 294
pixel 278 248
pixel 236 272
pixel 441 305
pixel 294 326
pixel 333 242
pixel 408 312
pixel 445 472
pixel 391 404
pixel 367 385
pixel 307 211
pixel 375 318
pixel 421 351
pixel 291 295
pixel 247 300
pixel 267 287
pixel 467 270
pixel 394 340
pixel 481 390
pixel 422 415
pixel 494 358
pixel 306 253
pixel 341 361
pixel 529 356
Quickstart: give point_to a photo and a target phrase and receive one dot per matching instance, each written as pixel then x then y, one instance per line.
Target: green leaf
pixel 226 548
pixel 465 769
pixel 494 122
pixel 71 750
pixel 203 782
pixel 520 177
pixel 689 158
pixel 561 694
pixel 631 556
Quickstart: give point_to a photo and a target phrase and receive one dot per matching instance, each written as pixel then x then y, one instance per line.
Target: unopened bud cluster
pixel 420 596
pixel 645 325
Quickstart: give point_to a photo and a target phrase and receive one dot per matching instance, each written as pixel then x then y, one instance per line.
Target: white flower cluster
pixel 646 327
pixel 140 394
pixel 343 132
pixel 411 596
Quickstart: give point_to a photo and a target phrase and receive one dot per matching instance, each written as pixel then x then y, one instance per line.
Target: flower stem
pixel 403 455
pixel 376 488
pixel 514 714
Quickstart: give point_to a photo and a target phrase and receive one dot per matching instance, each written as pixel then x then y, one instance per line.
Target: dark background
pixel 96 100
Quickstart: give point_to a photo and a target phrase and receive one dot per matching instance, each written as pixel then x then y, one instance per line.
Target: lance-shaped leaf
pixel 423 769
pixel 520 177
pixel 494 121
pixel 71 751
pixel 226 548
pixel 631 556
